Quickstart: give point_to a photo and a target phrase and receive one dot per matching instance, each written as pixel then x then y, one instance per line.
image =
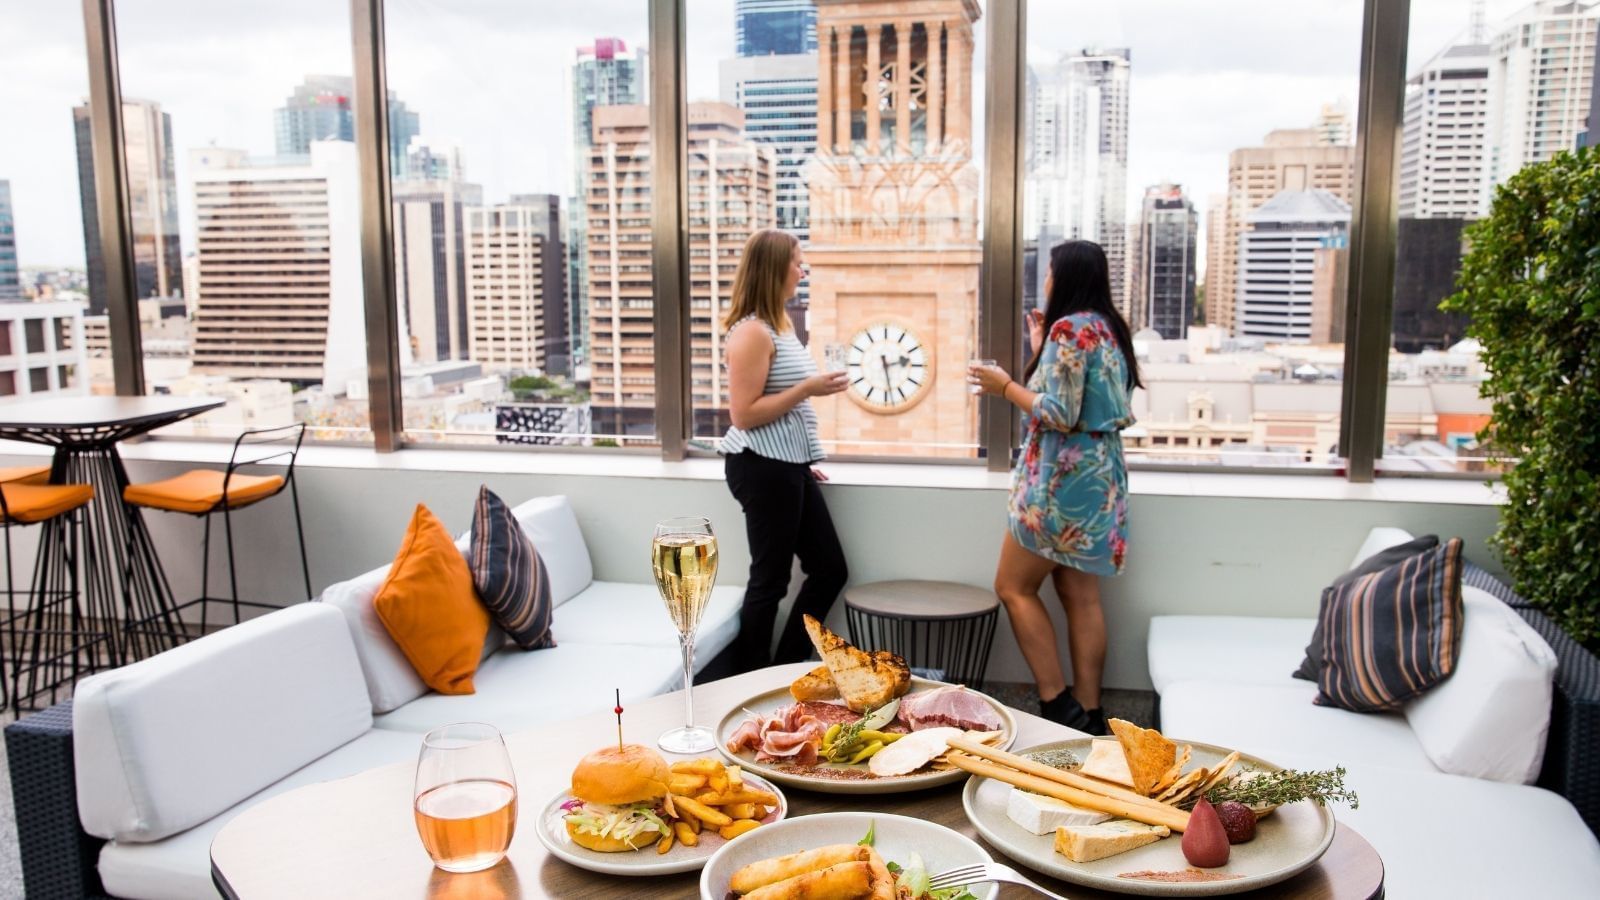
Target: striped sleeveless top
pixel 792 437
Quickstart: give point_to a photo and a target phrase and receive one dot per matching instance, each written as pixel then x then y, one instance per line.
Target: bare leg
pixel 1086 631
pixel 1017 581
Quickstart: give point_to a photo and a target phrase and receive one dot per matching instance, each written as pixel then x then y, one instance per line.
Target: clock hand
pixel 887 381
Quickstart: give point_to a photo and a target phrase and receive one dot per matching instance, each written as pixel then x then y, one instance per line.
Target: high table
pixel 122 563
pixel 355 837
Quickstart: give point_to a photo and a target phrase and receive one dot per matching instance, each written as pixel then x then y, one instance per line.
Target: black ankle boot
pixel 1097 722
pixel 1064 709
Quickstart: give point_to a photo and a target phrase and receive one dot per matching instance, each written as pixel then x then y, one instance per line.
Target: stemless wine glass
pixel 683 554
pixel 833 358
pixel 466 797
pixel 973 387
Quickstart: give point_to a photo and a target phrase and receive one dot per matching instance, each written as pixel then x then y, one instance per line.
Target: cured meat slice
pixel 952 706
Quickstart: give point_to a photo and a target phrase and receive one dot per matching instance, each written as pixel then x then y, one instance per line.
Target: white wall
pixel 1242 555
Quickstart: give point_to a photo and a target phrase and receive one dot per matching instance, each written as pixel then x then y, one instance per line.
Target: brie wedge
pixel 1043 815
pixel 1087 843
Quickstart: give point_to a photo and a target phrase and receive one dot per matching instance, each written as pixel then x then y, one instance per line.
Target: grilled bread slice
pixel 866 681
pixel 816 684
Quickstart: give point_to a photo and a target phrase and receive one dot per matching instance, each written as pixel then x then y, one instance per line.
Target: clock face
pixel 888 367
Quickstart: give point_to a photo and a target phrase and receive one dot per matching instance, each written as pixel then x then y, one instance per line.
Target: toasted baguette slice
pixel 866 681
pixel 816 684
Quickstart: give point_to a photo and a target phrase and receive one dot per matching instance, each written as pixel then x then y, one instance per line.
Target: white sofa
pixel 1227 680
pixel 167 750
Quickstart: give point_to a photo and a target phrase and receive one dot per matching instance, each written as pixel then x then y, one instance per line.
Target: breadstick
pixel 1050 773
pixel 1170 816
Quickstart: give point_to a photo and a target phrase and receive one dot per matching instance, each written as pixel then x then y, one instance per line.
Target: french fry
pixel 736 828
pixel 704 813
pixel 686 836
pixel 762 811
pixel 694 824
pixel 748 795
pixel 741 810
pixel 705 767
pixel 665 844
pixel 685 783
pixel 735 777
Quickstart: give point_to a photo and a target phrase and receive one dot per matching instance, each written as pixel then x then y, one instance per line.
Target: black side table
pixel 933 624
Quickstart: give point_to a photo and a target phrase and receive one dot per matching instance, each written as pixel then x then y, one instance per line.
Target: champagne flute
pixel 683 554
pixel 465 797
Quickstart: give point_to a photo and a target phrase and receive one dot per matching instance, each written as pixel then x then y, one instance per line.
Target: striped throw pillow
pixel 1390 635
pixel 510 576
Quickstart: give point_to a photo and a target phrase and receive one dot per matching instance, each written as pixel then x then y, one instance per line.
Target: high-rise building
pixel 1288 160
pixel 776 27
pixel 731 196
pixel 1541 75
pixel 894 254
pixel 152 203
pixel 1443 145
pixel 509 247
pixel 1216 242
pixel 1162 279
pixel 10 272
pixel 42 349
pixel 427 163
pixel 1277 262
pixel 431 265
pixel 1429 251
pixel 606 73
pixel 279 250
pixel 1334 126
pixel 322 109
pixel 1591 138
pixel 1077 154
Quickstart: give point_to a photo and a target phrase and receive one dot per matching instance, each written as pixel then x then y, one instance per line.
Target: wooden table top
pixel 355 837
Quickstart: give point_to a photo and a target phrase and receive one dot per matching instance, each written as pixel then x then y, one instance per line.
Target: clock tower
pixel 894 248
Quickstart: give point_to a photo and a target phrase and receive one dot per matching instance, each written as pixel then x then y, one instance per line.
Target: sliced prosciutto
pixel 953 706
pixel 790 734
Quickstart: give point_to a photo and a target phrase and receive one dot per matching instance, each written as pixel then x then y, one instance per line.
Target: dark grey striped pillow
pixel 510 576
pixel 1390 635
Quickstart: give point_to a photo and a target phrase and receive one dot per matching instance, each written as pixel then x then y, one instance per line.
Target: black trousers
pixel 784 517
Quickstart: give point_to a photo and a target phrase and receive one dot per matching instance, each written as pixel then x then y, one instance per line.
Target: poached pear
pixel 1205 842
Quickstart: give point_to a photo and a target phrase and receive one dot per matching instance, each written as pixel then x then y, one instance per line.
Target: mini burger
pixel 620 799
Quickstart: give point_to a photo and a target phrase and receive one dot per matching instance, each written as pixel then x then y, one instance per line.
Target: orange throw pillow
pixel 430 608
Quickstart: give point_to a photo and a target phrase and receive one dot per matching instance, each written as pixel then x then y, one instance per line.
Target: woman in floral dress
pixel 1068 509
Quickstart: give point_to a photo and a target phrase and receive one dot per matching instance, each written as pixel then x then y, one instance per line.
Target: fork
pixel 979 872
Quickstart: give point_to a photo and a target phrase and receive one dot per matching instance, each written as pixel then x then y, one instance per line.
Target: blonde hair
pixel 758 286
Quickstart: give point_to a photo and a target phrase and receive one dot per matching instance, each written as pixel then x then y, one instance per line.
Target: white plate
pixel 768 702
pixel 896 838
pixel 1287 842
pixel 552 829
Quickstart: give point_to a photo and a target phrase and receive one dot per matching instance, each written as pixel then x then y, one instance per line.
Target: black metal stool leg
pixel 7 678
pixel 233 569
pixel 300 530
pixel 205 575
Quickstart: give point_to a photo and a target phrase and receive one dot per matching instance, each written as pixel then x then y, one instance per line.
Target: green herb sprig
pixel 1282 788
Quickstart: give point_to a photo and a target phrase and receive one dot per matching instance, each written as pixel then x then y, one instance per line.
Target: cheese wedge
pixel 1087 843
pixel 1043 815
pixel 1107 762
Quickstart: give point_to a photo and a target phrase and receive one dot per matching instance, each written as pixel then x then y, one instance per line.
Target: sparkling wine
pixel 467 825
pixel 686 569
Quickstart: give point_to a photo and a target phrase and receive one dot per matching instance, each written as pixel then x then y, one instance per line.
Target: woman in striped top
pixel 768 454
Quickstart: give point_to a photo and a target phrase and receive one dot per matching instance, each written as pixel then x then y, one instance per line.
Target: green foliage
pixel 539 388
pixel 531 383
pixel 1531 285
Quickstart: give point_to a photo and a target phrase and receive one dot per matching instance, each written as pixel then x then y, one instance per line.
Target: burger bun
pixel 620 776
pixel 609 844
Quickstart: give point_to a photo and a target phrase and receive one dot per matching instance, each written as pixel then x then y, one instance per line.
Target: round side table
pixel 933 624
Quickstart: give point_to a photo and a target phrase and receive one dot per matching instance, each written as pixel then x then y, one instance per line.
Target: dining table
pixel 122 577
pixel 357 837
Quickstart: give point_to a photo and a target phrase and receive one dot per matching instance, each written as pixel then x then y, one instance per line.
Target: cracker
pixel 1148 751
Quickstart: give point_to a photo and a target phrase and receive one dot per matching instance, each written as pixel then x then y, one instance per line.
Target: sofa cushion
pixel 1381 538
pixel 1311 667
pixel 164 744
pixel 511 579
pixel 1490 719
pixel 1256 718
pixel 1249 649
pixel 553 527
pixel 609 612
pixel 391 681
pixel 1390 636
pixel 179 867
pixel 517 691
pixel 428 605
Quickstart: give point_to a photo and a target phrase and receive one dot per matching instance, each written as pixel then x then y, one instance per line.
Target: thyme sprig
pixel 1281 788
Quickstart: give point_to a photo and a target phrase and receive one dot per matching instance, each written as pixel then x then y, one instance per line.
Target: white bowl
pixel 897 837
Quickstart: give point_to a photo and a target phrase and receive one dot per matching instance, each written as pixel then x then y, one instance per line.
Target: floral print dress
pixel 1069 491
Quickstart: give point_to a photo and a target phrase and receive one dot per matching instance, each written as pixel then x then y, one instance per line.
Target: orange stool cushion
pixel 429 607
pixel 200 491
pixel 25 475
pixel 30 503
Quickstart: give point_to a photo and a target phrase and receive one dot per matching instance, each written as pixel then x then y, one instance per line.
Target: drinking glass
pixel 833 358
pixel 972 386
pixel 465 800
pixel 683 554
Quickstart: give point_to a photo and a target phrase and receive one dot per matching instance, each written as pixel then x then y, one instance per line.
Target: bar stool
pixel 50 639
pixel 202 492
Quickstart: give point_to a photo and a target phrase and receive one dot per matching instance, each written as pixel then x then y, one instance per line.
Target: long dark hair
pixel 1080 281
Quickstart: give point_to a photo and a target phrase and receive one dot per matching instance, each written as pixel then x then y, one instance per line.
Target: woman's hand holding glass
pixel 987 379
pixel 825 383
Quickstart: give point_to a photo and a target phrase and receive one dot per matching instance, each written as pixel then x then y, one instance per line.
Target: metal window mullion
pixel 669 223
pixel 377 248
pixel 112 206
pixel 999 309
pixel 1373 229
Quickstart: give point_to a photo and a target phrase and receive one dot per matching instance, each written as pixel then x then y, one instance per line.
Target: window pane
pixel 863 138
pixel 245 199
pixel 44 292
pixel 498 193
pixel 1225 221
pixel 1489 90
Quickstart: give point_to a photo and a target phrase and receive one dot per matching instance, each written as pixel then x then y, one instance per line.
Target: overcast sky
pixel 493 77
